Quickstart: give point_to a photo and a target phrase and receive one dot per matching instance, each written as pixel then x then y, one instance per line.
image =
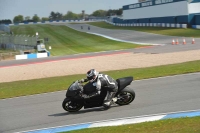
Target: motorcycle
pixel 74 101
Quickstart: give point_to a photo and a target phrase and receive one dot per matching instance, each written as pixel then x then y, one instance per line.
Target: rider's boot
pixel 109 100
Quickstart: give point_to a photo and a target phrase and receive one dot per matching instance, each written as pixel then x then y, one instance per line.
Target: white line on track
pixel 117 119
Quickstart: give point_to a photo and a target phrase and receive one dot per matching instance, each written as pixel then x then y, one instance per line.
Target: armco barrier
pixel 150 24
pixel 4 28
pixel 196 26
pixel 117 24
pixel 57 21
pixel 31 56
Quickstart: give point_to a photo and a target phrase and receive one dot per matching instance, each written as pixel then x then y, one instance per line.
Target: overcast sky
pixel 11 8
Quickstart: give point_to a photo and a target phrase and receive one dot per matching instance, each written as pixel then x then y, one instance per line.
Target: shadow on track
pixel 97 109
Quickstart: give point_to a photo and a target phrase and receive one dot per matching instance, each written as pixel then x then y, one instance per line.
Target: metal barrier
pixel 149 24
pixel 17 42
pixel 24 42
pixel 4 28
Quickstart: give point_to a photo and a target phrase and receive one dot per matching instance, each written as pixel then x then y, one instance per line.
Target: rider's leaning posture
pixel 101 81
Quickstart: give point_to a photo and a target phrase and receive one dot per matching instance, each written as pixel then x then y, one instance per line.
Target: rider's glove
pixel 81 81
pixel 85 96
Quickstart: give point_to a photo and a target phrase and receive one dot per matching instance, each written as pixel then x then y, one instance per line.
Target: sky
pixel 11 8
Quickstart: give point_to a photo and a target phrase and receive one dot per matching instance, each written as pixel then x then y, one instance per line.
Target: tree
pixel 52 16
pixel 114 12
pixel 71 15
pixel 45 19
pixel 80 16
pixel 18 19
pixel 119 12
pixel 27 18
pixel 59 16
pixel 36 18
pixel 55 16
pixel 99 13
pixel 6 21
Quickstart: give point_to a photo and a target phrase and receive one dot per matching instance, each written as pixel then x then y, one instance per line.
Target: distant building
pixel 162 11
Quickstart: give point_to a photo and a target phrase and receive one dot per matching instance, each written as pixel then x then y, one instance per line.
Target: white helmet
pixel 92 75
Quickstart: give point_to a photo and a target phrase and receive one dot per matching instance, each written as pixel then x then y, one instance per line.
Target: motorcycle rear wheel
pixel 70 106
pixel 126 96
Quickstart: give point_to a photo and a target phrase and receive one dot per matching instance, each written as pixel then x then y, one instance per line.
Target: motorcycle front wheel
pixel 126 96
pixel 71 106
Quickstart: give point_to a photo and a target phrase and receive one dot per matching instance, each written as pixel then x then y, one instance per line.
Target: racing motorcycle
pixel 74 100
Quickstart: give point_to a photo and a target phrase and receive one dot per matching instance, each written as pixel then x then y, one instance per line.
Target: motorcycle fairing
pixel 123 82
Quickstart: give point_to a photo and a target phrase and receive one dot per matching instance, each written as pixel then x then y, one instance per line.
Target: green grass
pixel 37 86
pixel 6 51
pixel 66 41
pixel 189 32
pixel 180 125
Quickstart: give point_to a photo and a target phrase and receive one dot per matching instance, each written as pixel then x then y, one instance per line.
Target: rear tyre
pixel 126 96
pixel 70 106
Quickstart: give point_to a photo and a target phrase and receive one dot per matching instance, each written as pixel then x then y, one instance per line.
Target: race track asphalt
pixel 131 35
pixel 142 37
pixel 153 96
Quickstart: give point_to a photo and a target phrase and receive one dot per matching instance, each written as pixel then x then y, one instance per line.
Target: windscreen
pixel 75 86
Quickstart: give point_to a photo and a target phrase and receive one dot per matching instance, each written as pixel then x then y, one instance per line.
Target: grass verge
pixel 36 86
pixel 6 51
pixel 189 32
pixel 180 125
pixel 66 41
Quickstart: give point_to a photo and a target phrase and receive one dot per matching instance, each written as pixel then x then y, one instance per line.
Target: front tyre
pixel 71 106
pixel 126 96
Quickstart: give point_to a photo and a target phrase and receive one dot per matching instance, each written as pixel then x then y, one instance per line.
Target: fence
pixel 4 28
pixel 24 42
pixel 58 21
pixel 17 42
pixel 149 24
pixel 196 26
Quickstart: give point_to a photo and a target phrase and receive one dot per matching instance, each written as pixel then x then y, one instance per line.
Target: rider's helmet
pixel 92 75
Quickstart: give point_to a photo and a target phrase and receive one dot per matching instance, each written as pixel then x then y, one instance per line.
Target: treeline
pixel 59 16
pixel 71 15
pixel 6 21
pixel 102 13
pixel 22 19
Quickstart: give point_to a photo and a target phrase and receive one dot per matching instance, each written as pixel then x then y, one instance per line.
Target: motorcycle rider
pixel 100 81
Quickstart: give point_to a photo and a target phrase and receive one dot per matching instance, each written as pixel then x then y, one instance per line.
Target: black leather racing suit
pixel 107 82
